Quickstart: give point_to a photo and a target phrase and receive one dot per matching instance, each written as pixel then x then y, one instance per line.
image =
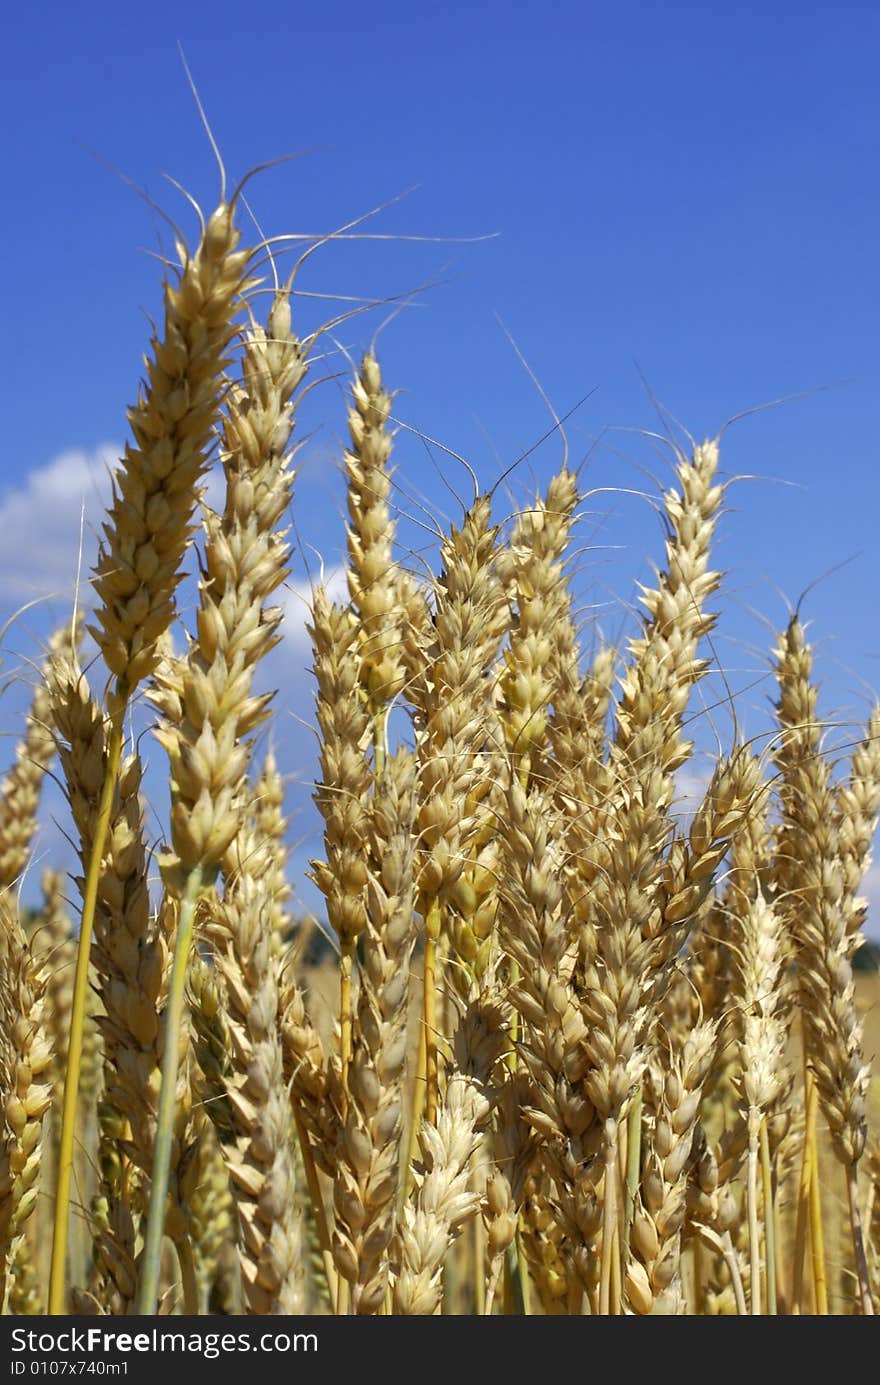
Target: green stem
pixel 148 1294
pixel 57 1277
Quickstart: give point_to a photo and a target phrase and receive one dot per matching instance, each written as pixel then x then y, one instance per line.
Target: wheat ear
pixel 21 786
pixel 858 806
pixel 138 568
pixel 365 1186
pixel 258 1152
pixel 818 916
pixel 443 1200
pixel 625 937
pixel 453 698
pixel 207 704
pixel 674 1090
pixel 763 1040
pixel 25 1080
pixel 373 587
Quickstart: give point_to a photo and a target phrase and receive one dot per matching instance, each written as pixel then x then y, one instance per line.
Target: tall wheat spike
pixel 206 699
pixel 21 786
pixel 25 1081
pixel 813 880
pixel 145 536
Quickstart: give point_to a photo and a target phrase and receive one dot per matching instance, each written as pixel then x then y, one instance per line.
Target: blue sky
pixel 682 194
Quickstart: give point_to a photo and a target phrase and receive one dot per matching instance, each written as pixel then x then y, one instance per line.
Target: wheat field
pixel 568 1051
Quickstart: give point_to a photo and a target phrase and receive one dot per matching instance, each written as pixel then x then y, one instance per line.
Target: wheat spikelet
pixel 206 701
pixel 534 930
pixel 626 857
pixel 763 1072
pixel 113 1278
pixel 212 1045
pixel 763 1029
pixel 456 729
pixel 25 1080
pixel 342 793
pixel 513 1157
pixel 313 1082
pixel 577 737
pixel 258 1154
pixel 131 959
pixel 690 867
pixel 812 874
pixel 211 1208
pixel 716 941
pixel 20 789
pixel 130 951
pixel 858 805
pixel 452 698
pixel 638 901
pixel 443 1201
pixel 271 825
pixel 812 878
pixel 365 1185
pixel 208 709
pixel 155 488
pixel 372 578
pixel 56 950
pixel 25 1299
pixel 541 607
pixel 542 1239
pixel 674 1091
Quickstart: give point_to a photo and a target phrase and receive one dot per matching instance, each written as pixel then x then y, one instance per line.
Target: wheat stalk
pixel 138 567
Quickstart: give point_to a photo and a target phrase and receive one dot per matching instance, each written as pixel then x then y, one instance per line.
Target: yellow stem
pixel 803 1202
pixel 314 1187
pixel 609 1220
pixel 817 1234
pixel 58 1271
pixel 809 1209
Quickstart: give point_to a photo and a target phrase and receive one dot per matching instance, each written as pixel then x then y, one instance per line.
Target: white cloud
pixel 297 603
pixel 42 519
